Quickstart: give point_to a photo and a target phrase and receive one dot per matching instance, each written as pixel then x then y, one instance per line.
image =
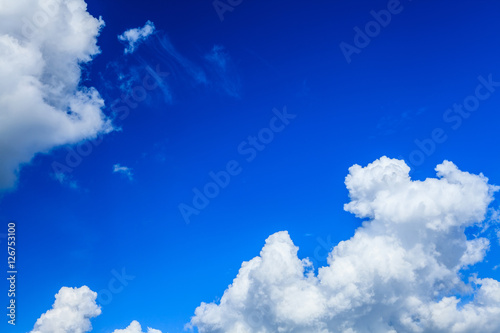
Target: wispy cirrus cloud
pixel 156 68
pixel 134 37
pixel 180 66
pixel 223 71
pixel 161 65
pixel 123 170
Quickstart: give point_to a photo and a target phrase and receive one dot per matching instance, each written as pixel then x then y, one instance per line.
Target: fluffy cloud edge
pixel 71 312
pixel 42 103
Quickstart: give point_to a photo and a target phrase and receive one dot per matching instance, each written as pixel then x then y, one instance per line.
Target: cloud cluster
pixel 72 311
pixel 404 270
pixel 43 43
pixel 133 37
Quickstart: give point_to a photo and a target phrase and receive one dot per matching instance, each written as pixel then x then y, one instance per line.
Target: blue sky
pixel 204 87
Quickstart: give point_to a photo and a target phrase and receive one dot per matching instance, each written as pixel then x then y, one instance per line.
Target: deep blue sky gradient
pixel 282 53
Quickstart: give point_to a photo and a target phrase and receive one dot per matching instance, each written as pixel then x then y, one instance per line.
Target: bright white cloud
pixel 133 37
pixel 135 327
pixel 402 271
pixel 126 171
pixel 42 104
pixel 70 313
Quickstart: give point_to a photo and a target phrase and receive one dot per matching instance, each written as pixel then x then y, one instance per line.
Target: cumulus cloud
pixel 126 171
pixel 404 270
pixel 133 37
pixel 42 104
pixel 72 311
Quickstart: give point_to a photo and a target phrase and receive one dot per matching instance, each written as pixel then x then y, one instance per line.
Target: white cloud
pixel 135 327
pixel 42 104
pixel 126 171
pixel 133 37
pixel 402 271
pixel 475 251
pixel 72 311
